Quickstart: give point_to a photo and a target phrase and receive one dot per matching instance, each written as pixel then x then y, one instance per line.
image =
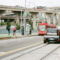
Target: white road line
pixel 2 52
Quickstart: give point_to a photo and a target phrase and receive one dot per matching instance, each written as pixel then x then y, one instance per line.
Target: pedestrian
pixel 22 31
pixel 9 30
pixel 14 31
pixel 30 31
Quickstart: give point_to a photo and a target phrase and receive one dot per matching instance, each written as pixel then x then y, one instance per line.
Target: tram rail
pixel 50 53
pixel 30 50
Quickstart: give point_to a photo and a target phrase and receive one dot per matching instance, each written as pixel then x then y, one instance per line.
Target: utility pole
pixel 0 18
pixel 25 19
pixel 21 17
pixel 37 20
pixel 44 17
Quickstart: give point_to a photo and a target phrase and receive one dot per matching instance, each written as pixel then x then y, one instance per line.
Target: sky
pixel 31 3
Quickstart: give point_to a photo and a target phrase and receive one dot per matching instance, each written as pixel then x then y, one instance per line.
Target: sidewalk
pixel 6 36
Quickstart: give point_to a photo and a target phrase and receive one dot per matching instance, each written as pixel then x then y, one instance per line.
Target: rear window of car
pixel 51 30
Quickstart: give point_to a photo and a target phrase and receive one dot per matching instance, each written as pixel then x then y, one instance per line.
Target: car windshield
pixel 42 27
pixel 51 30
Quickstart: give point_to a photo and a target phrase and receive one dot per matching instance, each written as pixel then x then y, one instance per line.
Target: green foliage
pixel 31 16
pixel 18 27
pixel 1 23
pixel 45 22
pixel 56 23
pixel 40 22
pixel 13 23
pixel 8 24
pixel 22 14
pixel 22 26
pixel 31 23
pixel 4 23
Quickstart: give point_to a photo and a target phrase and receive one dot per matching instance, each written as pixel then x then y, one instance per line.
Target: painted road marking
pixel 2 52
pixel 19 49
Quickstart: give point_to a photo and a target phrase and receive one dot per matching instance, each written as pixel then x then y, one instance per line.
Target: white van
pixel 52 35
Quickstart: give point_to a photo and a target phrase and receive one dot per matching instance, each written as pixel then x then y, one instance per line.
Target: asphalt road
pixel 38 54
pixel 13 44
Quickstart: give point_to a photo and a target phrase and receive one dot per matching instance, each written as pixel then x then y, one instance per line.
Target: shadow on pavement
pixel 54 43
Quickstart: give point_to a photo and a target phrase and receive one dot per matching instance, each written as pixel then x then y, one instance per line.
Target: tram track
pixel 30 51
pixel 42 54
pixel 25 52
pixel 49 53
pixel 35 55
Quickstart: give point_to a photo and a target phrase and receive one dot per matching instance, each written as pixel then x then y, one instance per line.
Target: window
pixel 51 30
pixel 42 27
pixel 48 26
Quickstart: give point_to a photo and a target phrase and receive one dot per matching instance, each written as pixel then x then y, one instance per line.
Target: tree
pixel 1 23
pixel 31 23
pixel 8 24
pixel 18 26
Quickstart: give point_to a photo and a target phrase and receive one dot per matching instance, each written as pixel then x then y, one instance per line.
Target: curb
pixel 14 37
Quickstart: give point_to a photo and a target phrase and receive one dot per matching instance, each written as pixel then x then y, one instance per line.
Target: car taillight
pixel 44 39
pixel 58 32
pixel 58 39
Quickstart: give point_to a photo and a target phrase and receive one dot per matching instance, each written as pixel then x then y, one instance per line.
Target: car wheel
pixel 44 41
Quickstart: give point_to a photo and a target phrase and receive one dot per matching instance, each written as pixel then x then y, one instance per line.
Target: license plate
pixel 51 38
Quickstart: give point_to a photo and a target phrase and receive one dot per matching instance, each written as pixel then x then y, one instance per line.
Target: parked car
pixel 52 35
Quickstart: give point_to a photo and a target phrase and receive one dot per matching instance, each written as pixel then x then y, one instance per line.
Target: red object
pixel 46 26
pixel 51 25
pixel 58 39
pixel 14 28
pixel 45 33
pixel 37 8
pixel 58 32
pixel 44 39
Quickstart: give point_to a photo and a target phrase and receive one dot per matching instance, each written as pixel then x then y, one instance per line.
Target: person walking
pixel 9 30
pixel 22 31
pixel 14 31
pixel 30 31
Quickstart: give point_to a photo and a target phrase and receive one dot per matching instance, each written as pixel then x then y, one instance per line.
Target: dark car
pixel 52 35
